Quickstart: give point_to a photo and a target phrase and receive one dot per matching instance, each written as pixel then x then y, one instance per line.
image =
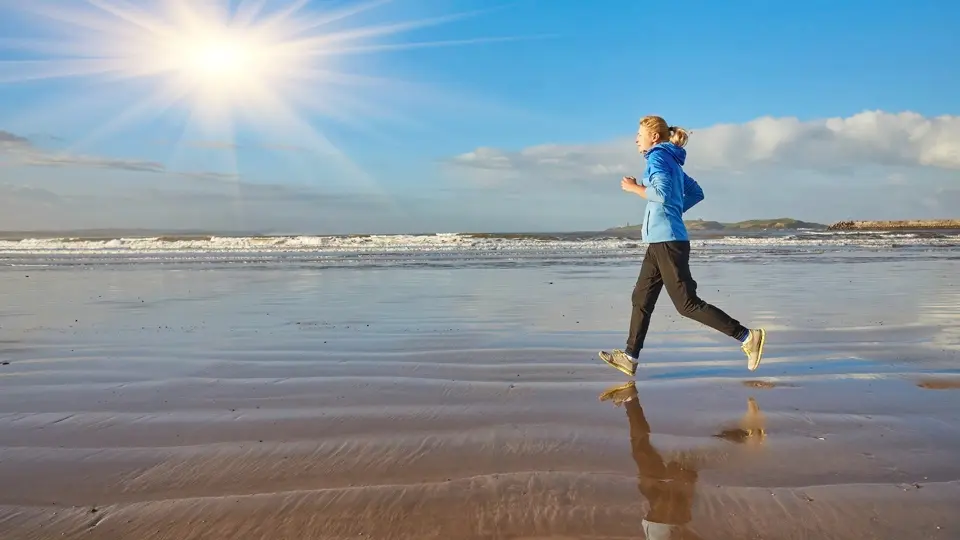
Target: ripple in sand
pixel 766 385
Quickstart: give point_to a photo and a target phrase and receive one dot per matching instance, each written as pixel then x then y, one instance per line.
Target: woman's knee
pixel 687 304
pixel 645 296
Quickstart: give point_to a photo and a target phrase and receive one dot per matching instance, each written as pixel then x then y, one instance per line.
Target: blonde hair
pixel 676 135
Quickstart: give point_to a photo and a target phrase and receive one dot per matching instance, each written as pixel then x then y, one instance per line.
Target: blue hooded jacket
pixel 670 193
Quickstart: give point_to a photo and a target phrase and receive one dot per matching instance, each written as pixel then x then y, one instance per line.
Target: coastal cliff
pixel 895 225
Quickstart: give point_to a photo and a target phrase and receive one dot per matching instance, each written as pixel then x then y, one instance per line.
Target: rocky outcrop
pixel 895 225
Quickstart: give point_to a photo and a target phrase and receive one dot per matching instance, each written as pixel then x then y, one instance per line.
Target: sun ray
pixel 79 49
pixel 422 45
pixel 131 15
pixel 319 42
pixel 211 125
pixel 276 114
pixel 263 68
pixel 32 70
pixel 83 110
pixel 186 18
pixel 327 18
pixel 152 106
pixel 283 15
pixel 318 74
pixel 347 109
pixel 247 12
pixel 195 129
pixel 81 19
pixel 341 98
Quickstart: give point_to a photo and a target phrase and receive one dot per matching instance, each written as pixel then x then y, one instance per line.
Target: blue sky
pixel 821 111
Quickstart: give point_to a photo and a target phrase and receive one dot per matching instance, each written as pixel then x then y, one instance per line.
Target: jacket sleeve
pixel 656 180
pixel 692 193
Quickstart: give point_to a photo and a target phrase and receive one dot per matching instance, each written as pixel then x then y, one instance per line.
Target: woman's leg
pixel 645 294
pixel 667 264
pixel 673 260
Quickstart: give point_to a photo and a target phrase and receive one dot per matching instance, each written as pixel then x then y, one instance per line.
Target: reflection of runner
pixel 668 486
pixel 750 430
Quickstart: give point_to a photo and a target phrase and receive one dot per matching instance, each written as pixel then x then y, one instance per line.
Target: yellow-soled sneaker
pixel 620 360
pixel 753 347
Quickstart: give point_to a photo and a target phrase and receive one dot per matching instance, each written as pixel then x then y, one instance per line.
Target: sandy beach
pixel 279 400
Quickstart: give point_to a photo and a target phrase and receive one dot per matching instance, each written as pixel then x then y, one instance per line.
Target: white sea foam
pixel 440 243
pixel 374 243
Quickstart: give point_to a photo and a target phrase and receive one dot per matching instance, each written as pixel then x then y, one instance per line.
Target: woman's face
pixel 646 139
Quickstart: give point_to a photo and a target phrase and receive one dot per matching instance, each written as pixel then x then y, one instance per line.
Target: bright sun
pixel 271 65
pixel 226 58
pixel 207 56
pixel 222 65
pixel 250 55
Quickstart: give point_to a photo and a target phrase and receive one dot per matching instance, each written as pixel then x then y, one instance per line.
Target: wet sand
pixel 142 403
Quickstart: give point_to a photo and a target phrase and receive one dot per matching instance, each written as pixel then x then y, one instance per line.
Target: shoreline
pixel 616 232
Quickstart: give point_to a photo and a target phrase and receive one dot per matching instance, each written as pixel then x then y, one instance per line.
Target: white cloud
pixel 76 199
pixel 18 150
pixel 872 138
pixel 10 140
pixel 44 189
pixel 872 165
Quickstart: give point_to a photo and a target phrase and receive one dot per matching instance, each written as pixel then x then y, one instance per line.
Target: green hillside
pixel 748 225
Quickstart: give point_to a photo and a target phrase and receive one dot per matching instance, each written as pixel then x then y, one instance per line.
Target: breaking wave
pixel 462 249
pixel 447 242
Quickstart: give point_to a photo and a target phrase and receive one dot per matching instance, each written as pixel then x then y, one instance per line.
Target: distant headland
pixel 748 225
pixel 796 224
pixel 895 225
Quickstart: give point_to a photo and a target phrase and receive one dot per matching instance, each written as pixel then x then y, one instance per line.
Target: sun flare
pixel 271 66
pixel 221 61
pixel 221 67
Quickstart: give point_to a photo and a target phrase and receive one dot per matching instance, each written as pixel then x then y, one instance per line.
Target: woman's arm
pixel 692 193
pixel 656 181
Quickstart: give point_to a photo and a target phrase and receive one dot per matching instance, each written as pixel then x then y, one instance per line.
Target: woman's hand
pixel 629 184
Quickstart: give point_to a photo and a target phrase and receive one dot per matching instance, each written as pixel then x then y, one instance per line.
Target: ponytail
pixel 678 136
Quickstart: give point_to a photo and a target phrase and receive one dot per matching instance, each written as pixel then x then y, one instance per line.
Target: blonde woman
pixel 670 192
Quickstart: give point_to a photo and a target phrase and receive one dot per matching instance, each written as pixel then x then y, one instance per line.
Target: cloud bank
pixel 871 165
pixel 872 138
pixel 18 150
pixel 41 189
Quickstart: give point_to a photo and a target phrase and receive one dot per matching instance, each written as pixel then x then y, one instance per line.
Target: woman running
pixel 670 192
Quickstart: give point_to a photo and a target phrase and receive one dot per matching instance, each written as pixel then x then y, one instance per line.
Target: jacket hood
pixel 678 153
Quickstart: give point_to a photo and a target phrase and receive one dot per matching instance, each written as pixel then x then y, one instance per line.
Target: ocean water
pixel 451 250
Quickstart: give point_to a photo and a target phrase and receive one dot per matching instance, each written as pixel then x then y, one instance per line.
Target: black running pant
pixel 668 264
